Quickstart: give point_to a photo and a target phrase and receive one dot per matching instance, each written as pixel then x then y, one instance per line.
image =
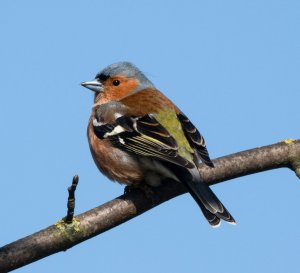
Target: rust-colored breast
pixel 113 162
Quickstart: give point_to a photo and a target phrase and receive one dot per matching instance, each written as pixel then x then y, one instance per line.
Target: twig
pixel 71 200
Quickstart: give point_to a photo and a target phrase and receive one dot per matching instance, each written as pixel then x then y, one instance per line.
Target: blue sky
pixel 231 66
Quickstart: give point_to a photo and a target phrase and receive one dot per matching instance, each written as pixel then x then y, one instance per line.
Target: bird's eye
pixel 116 82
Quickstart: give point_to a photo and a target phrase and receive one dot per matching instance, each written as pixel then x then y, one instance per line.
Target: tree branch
pixel 62 236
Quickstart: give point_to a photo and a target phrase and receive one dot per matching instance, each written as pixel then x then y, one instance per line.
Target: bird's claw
pixel 146 190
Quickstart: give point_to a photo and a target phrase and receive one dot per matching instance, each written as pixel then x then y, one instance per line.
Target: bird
pixel 139 137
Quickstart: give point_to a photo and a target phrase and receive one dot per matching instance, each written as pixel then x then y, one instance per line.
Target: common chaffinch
pixel 137 137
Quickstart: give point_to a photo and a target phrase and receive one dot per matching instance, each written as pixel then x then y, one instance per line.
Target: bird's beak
pixel 94 85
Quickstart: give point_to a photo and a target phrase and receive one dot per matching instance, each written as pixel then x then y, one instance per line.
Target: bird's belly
pixel 116 164
pixel 155 171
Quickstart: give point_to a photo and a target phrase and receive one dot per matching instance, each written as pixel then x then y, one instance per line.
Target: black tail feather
pixel 212 219
pixel 208 202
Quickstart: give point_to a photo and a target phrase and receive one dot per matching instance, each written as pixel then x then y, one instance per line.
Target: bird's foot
pixel 146 189
pixel 129 189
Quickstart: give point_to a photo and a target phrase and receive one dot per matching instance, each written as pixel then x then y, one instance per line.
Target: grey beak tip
pixel 94 85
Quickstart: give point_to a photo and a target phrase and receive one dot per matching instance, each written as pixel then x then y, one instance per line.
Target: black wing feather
pixel 101 130
pixel 195 139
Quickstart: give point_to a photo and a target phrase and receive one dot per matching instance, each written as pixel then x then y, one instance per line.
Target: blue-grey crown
pixel 126 69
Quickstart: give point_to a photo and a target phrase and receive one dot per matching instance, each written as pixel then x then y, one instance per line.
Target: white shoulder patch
pixel 117 130
pixel 97 123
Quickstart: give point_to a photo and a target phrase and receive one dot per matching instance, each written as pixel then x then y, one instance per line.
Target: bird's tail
pixel 208 202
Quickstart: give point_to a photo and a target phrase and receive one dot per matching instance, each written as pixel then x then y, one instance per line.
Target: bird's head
pixel 117 81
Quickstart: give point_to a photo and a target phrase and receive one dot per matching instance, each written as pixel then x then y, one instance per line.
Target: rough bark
pixel 62 236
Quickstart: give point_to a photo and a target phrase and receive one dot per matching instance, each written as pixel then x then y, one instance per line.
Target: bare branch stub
pixel 71 200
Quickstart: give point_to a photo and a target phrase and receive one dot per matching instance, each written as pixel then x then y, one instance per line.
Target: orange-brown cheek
pixel 118 92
